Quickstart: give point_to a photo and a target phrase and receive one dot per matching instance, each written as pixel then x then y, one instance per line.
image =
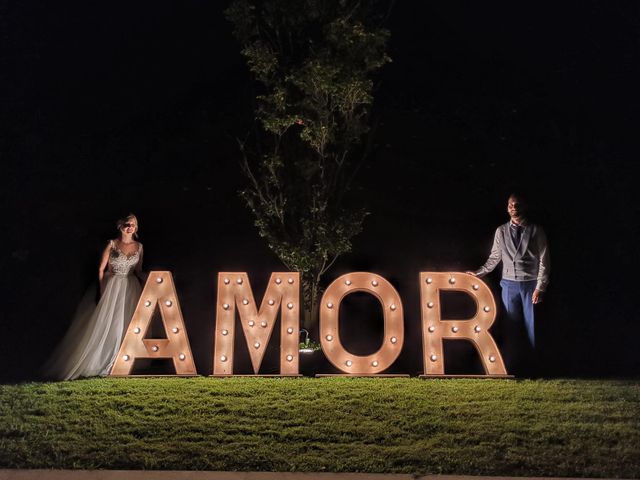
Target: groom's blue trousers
pixel 516 298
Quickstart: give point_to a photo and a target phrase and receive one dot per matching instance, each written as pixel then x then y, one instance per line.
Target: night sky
pixel 117 107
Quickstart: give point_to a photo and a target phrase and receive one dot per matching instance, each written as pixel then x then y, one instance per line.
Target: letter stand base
pixel 372 375
pixel 151 375
pixel 504 377
pixel 272 375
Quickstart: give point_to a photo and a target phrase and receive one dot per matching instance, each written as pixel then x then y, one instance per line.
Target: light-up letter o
pixel 475 329
pixel 393 324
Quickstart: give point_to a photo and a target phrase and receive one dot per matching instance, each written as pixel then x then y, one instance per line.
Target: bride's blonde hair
pixel 121 222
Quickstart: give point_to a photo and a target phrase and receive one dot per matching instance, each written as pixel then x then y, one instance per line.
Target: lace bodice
pixel 121 264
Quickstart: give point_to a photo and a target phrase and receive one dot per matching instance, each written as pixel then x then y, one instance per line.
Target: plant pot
pixel 311 363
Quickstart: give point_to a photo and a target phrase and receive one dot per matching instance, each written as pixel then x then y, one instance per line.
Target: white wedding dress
pixel 90 346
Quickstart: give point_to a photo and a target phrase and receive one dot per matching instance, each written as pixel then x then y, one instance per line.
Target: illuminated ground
pixel 581 428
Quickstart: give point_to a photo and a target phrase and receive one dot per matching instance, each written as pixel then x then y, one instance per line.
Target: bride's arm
pixel 103 265
pixel 138 269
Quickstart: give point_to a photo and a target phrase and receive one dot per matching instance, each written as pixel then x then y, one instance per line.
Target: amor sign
pixel 282 300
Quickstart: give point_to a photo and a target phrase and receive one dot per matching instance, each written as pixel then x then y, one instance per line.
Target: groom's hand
pixel 536 297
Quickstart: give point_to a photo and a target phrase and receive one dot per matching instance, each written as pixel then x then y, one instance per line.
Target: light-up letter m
pixel 475 329
pixel 282 295
pixel 159 292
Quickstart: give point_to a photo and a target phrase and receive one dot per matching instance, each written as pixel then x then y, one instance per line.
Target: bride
pixel 90 346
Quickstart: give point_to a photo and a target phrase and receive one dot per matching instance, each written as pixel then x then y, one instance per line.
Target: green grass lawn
pixel 583 428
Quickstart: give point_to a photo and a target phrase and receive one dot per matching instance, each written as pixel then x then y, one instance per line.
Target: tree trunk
pixel 311 313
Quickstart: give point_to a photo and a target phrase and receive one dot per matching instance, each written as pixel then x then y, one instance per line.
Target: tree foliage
pixel 313 62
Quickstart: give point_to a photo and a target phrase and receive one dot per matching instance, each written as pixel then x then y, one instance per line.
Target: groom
pixel 522 248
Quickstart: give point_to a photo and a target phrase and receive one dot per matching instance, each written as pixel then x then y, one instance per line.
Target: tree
pixel 313 62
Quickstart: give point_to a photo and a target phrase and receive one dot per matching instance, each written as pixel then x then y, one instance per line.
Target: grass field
pixel 582 428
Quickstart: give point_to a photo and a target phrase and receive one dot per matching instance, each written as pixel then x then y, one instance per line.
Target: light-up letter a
pixel 283 294
pixel 475 329
pixel 159 291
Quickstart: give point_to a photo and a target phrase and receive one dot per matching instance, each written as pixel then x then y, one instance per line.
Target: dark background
pixel 112 107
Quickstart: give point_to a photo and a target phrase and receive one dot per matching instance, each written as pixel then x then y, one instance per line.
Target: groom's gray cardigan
pixel 527 261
